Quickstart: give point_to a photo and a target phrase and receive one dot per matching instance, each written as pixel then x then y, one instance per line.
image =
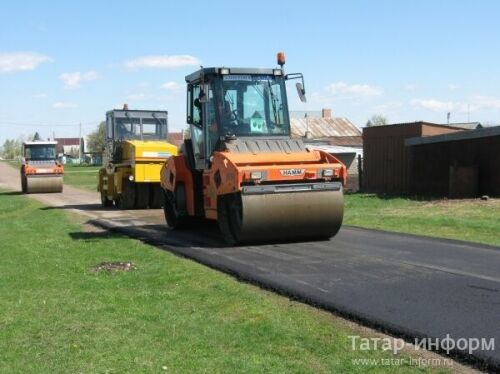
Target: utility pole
pixel 80 145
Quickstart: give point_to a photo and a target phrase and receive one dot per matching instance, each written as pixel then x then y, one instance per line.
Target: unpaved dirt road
pixel 406 285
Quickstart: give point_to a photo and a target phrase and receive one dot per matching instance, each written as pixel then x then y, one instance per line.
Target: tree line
pixel 12 149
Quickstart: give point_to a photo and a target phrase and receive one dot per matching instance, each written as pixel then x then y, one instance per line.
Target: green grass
pixel 471 220
pixel 58 315
pixel 85 177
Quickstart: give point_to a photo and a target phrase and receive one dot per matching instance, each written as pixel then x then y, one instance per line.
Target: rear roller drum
pixel 126 200
pixel 105 202
pixel 141 195
pixel 155 196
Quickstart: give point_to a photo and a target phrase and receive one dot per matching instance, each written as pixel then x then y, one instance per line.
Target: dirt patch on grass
pixel 114 266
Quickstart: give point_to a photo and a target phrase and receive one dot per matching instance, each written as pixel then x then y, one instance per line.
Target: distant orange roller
pixel 40 171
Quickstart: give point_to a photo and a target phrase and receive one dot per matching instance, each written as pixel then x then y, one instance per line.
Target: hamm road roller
pixel 241 167
pixel 40 171
pixel 136 148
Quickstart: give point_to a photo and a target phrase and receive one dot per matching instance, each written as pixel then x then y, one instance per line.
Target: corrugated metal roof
pixel 347 141
pixel 420 123
pixel 323 127
pixel 466 125
pixel 462 135
pixel 335 149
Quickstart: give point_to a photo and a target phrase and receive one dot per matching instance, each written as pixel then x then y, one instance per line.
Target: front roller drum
pixel 308 215
pixel 43 184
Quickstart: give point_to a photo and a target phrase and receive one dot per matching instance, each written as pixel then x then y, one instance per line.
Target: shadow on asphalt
pixel 91 236
pixel 11 193
pixel 199 236
pixel 94 207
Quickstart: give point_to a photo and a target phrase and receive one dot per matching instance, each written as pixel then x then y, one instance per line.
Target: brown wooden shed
pixel 386 158
pixel 464 164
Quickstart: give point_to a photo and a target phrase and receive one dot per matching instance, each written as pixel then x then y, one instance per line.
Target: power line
pixel 8 123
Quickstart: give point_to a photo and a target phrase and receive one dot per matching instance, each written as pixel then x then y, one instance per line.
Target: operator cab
pixel 39 151
pixel 127 124
pixel 132 125
pixel 229 103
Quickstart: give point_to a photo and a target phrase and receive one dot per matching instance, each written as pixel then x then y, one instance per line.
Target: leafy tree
pixel 12 148
pixel 376 120
pixel 96 140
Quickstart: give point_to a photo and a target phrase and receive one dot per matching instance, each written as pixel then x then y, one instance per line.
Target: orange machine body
pixel 231 171
pixel 29 168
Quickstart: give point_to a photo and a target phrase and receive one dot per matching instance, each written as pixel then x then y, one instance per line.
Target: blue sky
pixel 63 62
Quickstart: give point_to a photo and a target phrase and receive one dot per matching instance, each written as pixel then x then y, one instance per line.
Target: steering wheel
pixel 234 115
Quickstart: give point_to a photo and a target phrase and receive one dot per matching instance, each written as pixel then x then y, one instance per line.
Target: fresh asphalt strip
pixel 409 286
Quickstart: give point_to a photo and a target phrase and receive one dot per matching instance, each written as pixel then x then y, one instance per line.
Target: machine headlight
pixel 131 178
pixel 254 175
pixel 328 173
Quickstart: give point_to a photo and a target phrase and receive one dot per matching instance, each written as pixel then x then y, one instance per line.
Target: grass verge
pixel 471 220
pixel 85 177
pixel 167 314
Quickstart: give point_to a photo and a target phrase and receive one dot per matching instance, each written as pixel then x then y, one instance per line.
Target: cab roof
pixel 40 142
pixel 120 113
pixel 196 76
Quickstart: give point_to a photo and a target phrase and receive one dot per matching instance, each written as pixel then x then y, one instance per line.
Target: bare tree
pixel 376 120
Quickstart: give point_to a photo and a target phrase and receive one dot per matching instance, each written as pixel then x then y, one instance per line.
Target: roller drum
pixel 282 216
pixel 44 184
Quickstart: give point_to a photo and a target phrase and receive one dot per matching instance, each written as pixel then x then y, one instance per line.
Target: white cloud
pixel 485 102
pixel 162 62
pixel 411 87
pixel 21 61
pixel 63 105
pixel 40 96
pixel 353 90
pixel 453 86
pixel 173 86
pixel 138 97
pixel 474 103
pixel 390 106
pixel 435 105
pixel 74 80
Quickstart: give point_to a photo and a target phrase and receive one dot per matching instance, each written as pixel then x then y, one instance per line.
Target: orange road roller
pixel 239 165
pixel 40 171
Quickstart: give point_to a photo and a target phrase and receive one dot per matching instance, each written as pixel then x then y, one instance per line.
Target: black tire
pixel 24 183
pixel 105 202
pixel 229 213
pixel 175 208
pixel 141 195
pixel 126 200
pixel 156 196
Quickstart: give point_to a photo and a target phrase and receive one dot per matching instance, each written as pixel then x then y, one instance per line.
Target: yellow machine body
pixel 130 176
